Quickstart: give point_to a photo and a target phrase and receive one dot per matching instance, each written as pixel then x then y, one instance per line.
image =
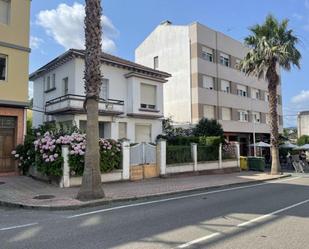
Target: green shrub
pixel 182 140
pixel 304 139
pixel 211 140
pixel 206 127
pixel 178 154
pixel 207 153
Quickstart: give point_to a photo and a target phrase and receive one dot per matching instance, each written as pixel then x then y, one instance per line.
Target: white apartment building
pixel 205 81
pixel 303 123
pixel 131 98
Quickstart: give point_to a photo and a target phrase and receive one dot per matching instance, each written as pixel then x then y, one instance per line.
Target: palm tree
pixel 272 45
pixel 91 187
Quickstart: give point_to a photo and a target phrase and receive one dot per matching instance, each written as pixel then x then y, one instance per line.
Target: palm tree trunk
pixel 91 183
pixel 274 130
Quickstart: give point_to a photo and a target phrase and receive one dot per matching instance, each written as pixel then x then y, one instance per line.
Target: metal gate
pixel 143 153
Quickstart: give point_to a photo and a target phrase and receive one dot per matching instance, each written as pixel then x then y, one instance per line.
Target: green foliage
pixel 52 168
pixel 110 159
pixel 178 154
pixel 270 43
pixel 304 139
pixel 206 127
pixel 182 140
pixel 207 153
pixel 211 140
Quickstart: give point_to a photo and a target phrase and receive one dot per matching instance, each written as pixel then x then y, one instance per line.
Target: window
pixel 5 11
pixel 224 59
pixel 142 133
pixel 256 117
pixel 243 116
pixel 208 82
pixel 225 86
pixel 209 111
pixel 241 90
pixel 207 54
pixel 53 81
pixel 256 94
pixel 237 62
pixel 267 119
pixel 104 94
pixel 3 67
pixel 266 97
pixel 148 96
pixel 156 62
pixel 48 83
pixel 65 82
pixel 226 113
pixel 122 130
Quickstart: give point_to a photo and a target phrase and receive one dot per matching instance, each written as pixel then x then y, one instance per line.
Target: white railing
pixel 72 102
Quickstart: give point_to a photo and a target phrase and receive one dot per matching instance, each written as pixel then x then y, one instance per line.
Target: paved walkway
pixel 20 190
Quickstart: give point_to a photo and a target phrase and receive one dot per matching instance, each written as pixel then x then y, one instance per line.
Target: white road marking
pixel 19 226
pixel 203 239
pixel 178 198
pixel 272 213
pixel 199 240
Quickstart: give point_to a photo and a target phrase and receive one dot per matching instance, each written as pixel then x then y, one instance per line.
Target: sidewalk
pixel 19 191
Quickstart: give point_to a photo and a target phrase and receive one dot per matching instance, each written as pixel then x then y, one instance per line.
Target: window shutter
pixel 148 94
pixel 5 9
pixel 104 89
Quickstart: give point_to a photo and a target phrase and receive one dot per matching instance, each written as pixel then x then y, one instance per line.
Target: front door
pixel 7 143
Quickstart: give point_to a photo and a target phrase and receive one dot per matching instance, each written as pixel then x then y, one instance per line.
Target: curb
pixel 134 198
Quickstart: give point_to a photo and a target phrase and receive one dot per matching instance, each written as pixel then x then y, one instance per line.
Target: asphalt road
pixel 267 215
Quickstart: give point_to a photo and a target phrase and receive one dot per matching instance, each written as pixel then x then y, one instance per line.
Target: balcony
pixel 74 104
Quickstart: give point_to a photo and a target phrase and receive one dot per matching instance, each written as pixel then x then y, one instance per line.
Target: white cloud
pixel 35 42
pixel 302 97
pixel 65 25
pixel 298 16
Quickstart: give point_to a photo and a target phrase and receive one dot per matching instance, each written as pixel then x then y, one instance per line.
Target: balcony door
pixel 7 143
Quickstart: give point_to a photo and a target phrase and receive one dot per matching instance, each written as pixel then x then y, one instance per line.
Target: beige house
pixel 205 81
pixel 14 60
pixel 303 123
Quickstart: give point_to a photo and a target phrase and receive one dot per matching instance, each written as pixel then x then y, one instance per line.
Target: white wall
pixel 172 46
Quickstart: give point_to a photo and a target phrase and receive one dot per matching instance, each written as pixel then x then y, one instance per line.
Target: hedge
pixel 178 154
pixel 207 153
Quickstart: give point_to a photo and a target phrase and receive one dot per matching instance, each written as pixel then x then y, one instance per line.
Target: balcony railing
pixel 71 103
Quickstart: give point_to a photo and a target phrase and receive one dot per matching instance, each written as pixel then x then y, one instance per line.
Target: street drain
pixel 44 197
pixel 2 183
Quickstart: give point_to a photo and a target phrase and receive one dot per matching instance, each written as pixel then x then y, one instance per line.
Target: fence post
pixel 220 156
pixel 161 156
pixel 65 179
pixel 238 154
pixel 125 160
pixel 194 155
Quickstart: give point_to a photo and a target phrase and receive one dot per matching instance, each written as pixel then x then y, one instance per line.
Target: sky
pixel 57 25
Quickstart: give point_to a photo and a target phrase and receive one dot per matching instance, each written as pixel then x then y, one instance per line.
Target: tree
pixel 91 187
pixel 304 139
pixel 272 45
pixel 208 127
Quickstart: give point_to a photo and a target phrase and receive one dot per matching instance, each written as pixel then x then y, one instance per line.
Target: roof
pixel 105 59
pixel 303 113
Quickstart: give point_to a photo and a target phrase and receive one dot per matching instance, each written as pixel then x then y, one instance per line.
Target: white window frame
pixel 256 117
pixel 229 110
pixel 5 57
pixel 208 82
pixel 151 106
pixel 156 62
pixel 241 91
pixel 226 89
pixel 104 93
pixel 8 21
pixel 225 60
pixel 65 82
pixel 256 93
pixel 243 116
pixel 207 54
pixel 206 108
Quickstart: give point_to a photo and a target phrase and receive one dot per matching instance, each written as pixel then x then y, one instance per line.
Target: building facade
pixel 205 81
pixel 14 60
pixel 131 98
pixel 303 123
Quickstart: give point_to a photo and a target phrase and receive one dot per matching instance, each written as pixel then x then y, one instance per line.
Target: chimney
pixel 166 22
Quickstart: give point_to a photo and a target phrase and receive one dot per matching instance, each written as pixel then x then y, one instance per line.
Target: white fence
pixel 145 153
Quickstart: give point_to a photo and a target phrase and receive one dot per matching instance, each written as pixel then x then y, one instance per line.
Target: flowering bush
pixel 44 151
